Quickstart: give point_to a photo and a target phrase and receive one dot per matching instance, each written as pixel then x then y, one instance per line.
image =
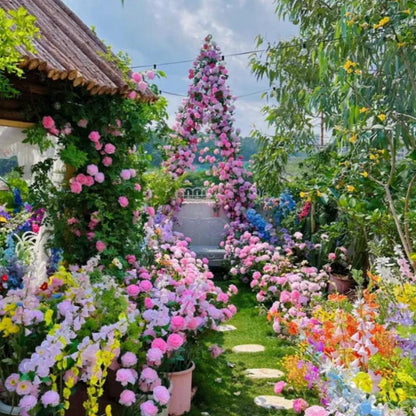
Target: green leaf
pixel 71 155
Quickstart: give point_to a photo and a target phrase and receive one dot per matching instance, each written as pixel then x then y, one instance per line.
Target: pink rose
pixel 174 341
pixel 148 375
pixel 160 344
pixel 316 411
pixel 127 398
pixel 123 201
pixel 154 356
pixel 81 178
pixel 92 169
pixel 136 77
pixel 137 187
pixel 146 286
pixel 161 395
pixel 51 398
pixel 98 146
pixel 148 303
pixel 142 86
pixel 109 148
pixel 99 177
pixel 100 245
pixel 132 95
pixel 133 290
pixel 279 386
pixel 150 74
pixel 332 256
pixel 94 136
pixel 83 123
pixel 285 296
pixel 148 408
pixel 28 402
pixel 177 322
pixel 131 259
pixel 126 376
pixel 107 161
pixel 125 174
pixel 89 181
pixel 128 359
pixel 76 187
pixel 48 122
pixel 299 405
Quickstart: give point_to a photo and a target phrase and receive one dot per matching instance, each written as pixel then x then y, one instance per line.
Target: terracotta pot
pixel 5 409
pixel 340 284
pixel 180 399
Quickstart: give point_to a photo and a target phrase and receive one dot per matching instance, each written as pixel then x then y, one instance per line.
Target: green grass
pixel 223 389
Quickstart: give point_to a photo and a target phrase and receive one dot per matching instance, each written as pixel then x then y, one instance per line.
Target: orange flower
pixel 335 297
pixel 374 278
pixel 293 328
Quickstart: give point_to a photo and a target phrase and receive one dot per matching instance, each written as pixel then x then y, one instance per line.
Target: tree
pixel 352 66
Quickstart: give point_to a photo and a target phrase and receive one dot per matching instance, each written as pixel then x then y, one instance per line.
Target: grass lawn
pixel 223 389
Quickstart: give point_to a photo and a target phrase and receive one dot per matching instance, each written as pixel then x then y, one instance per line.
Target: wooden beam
pixel 15 123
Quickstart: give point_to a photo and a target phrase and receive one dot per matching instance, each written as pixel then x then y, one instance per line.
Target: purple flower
pixel 50 398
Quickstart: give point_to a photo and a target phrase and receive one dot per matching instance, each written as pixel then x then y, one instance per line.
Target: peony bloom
pixel 299 405
pixel 128 359
pixel 148 408
pixel 76 187
pixel 99 177
pixel 123 201
pixel 94 136
pixel 50 398
pixel 109 148
pixel 127 398
pixel 92 169
pixel 161 395
pixel 316 411
pixel 48 122
pixel 100 245
pixel 279 386
pixel 28 402
pixel 174 341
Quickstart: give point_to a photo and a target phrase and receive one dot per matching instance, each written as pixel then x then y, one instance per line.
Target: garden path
pixel 224 387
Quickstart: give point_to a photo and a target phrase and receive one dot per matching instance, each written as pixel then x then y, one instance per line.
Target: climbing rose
pixel 175 341
pixel 109 148
pixel 128 359
pixel 177 322
pixel 161 395
pixel 150 74
pixel 133 290
pixel 125 376
pixel 107 161
pixel 48 122
pixel 142 86
pixel 125 174
pixel 123 201
pixel 76 187
pixel 127 398
pixel 94 136
pixel 92 170
pixel 136 77
pixel 99 177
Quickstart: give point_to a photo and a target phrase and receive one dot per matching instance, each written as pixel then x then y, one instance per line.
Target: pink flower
pixel 332 256
pixel 316 411
pixel 28 402
pixel 133 290
pixel 51 398
pixel 148 303
pixel 142 86
pixel 94 136
pixel 174 341
pixel 151 211
pixel 92 170
pixel 150 74
pixel 160 344
pixel 132 95
pixel 76 187
pixel 125 174
pixel 299 405
pixel 123 201
pixel 154 356
pixel 148 408
pixel 11 382
pixel 127 398
pixel 48 122
pixel 107 161
pixel 148 375
pixel 285 296
pixel 100 245
pixel 177 322
pixel 215 351
pixel 89 181
pixel 24 387
pixel 131 259
pixel 161 395
pixel 99 177
pixel 128 359
pixel 146 286
pixel 81 178
pixel 98 146
pixel 136 77
pixel 125 376
pixel 109 148
pixel 83 123
pixel 279 386
pixel 137 187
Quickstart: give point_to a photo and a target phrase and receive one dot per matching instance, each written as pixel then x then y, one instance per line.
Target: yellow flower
pixel 3 219
pixel 108 410
pixel 364 110
pixel 357 71
pixel 349 65
pixel 402 394
pixel 382 22
pixel 382 117
pixel 372 157
pixel 407 11
pixel 48 317
pixel 365 174
pixel 319 193
pixel 303 194
pixel 364 382
pixel 401 44
pixel 353 138
pixel 8 327
pixel 350 188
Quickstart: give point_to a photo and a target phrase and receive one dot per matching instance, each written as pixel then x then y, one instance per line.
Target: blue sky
pixel 159 31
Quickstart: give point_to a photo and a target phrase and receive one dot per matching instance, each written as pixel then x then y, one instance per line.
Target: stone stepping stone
pixel 248 348
pixel 259 373
pixel 274 402
pixel 226 328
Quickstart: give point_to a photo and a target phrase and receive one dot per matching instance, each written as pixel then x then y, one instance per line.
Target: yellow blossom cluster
pixel 382 22
pixel 351 66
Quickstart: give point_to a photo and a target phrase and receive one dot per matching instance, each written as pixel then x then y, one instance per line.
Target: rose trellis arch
pixel 207 112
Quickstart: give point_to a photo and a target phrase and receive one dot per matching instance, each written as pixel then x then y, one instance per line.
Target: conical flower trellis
pixel 210 104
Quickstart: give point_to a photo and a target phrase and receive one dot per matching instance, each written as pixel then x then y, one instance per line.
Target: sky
pixel 164 31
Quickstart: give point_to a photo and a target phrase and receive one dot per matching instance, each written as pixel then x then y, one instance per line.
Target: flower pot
pixel 340 284
pixel 180 399
pixel 5 409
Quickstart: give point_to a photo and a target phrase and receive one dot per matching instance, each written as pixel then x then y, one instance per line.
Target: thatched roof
pixel 68 50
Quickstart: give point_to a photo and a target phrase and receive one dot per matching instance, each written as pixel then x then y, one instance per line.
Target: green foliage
pixel 17 30
pixel 163 187
pixel 71 155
